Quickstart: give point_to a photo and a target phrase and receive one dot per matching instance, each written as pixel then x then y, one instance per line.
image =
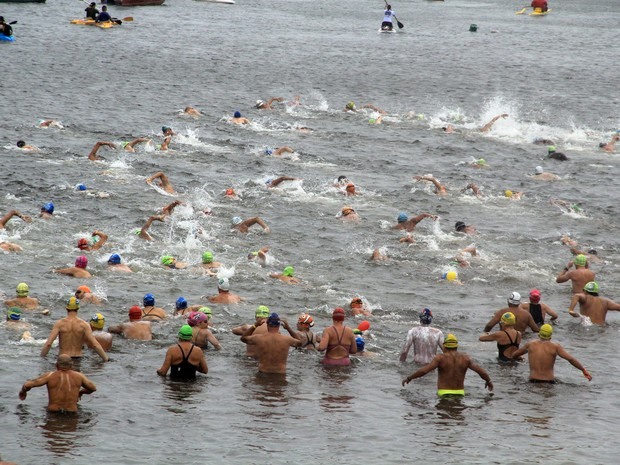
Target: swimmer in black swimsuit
pixel 184 359
pixel 508 338
pixel 310 341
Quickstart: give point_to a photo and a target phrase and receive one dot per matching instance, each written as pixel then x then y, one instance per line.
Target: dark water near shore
pixel 556 76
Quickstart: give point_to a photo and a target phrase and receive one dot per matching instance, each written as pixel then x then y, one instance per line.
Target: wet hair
pixel 389 7
pixel 459 226
pixel 21 143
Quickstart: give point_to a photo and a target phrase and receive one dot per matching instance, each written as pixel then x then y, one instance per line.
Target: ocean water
pixel 555 76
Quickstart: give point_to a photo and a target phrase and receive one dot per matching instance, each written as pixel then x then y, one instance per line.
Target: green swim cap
pixel 207 257
pixel 137 232
pixel 591 287
pixel 288 271
pixel 350 106
pixel 262 311
pixel 206 310
pixel 167 260
pixel 13 314
pixel 551 149
pixel 580 260
pixel 481 162
pixel 185 333
pixel 372 121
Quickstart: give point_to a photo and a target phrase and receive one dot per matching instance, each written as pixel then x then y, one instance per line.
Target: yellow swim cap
pixel 97 321
pixel 450 342
pixel 545 332
pixel 451 275
pixel 73 304
pixel 508 193
pixel 508 318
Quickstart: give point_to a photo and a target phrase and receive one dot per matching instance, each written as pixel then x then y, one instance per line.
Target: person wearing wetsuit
pixel 184 359
pixel 338 341
pixel 507 338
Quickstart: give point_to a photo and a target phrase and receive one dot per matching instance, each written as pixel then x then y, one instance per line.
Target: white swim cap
pixel 514 298
pixel 539 170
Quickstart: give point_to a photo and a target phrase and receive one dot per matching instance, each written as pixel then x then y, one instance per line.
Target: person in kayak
pixel 104 15
pixel 388 14
pixel 92 11
pixel 5 28
pixel 539 4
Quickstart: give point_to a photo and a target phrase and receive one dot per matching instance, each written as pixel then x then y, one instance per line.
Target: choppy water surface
pixel 556 77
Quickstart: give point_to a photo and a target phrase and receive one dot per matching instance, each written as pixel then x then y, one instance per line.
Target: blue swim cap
pixel 402 217
pixel 81 187
pixel 426 317
pixel 149 300
pixel 268 151
pixel 273 320
pixel 115 259
pixel 48 207
pixel 181 303
pixel 237 114
pixel 359 340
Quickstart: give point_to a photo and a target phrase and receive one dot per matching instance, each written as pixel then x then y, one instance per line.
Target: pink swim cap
pixel 81 261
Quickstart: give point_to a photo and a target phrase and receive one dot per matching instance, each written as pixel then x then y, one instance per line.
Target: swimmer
pixel 77 271
pixel 15 323
pixel 130 146
pixel 610 146
pixel 591 305
pixel 184 359
pixel 191 111
pixel 342 341
pixel 296 102
pixel 93 153
pixel 276 182
pixel 551 153
pixel 452 367
pixel 440 189
pixel 114 264
pixel 22 301
pixel 537 309
pixel 342 181
pixel 507 338
pixel 208 264
pixel 65 387
pixel 134 329
pixel 460 259
pixel 47 211
pixel 260 256
pixel 591 253
pixel 348 214
pixel 72 333
pixel 4 220
pixel 25 147
pixel 378 256
pixel 10 246
pixel 487 127
pixel 461 227
pixel 238 119
pixel 358 307
pixel 424 339
pixel 260 316
pixel 474 188
pixel 512 195
pixel 542 355
pixel 181 307
pixel 309 340
pixel 143 233
pixel 98 240
pixel 580 276
pixel 86 296
pixel 541 175
pixel 231 194
pixel 150 312
pixel 479 163
pixel 224 296
pixel 202 336
pixel 168 261
pixel 260 105
pixel 279 150
pixel 409 224
pixel 50 123
pixel 377 120
pixel 566 206
pixel 287 276
pixel 244 226
pixel 97 322
pixel 523 319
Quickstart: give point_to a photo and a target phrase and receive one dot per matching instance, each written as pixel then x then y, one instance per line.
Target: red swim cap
pixel 534 296
pixel 338 314
pixel 82 244
pixel 135 313
pixel 364 326
pixel 81 261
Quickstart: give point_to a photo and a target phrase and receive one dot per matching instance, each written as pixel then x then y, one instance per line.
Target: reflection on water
pixel 63 431
pixel 270 390
pixel 183 393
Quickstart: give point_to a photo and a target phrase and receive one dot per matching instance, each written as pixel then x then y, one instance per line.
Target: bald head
pixel 64 362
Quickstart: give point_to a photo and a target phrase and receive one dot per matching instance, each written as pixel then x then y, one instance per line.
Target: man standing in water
pixel 523 317
pixel 272 347
pixel 261 314
pixel 424 339
pixel 452 367
pixel 591 305
pixel 542 355
pixel 580 276
pixel 65 387
pixel 72 334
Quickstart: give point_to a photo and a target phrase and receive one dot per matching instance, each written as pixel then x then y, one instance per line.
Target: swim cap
pixel 545 331
pixel 14 314
pixel 72 304
pixel 346 210
pixel 372 120
pixel 230 191
pixel 538 170
pixel 350 187
pixel 206 310
pixel 48 207
pixel 81 187
pixel 20 143
pixel 338 314
pixel 207 257
pixel 509 319
pixel 81 261
pixel 167 260
pixel 534 296
pixel 22 290
pixel 591 287
pixel 135 313
pixel 237 114
pixel 426 316
pixel 148 300
pixel 359 341
pixel 459 226
pixel 273 320
pixel 357 332
pixel 350 106
pixel 262 312
pixel 451 275
pixel 223 284
pixel 514 298
pixel 288 271
pixel 115 259
pixel 195 318
pixel 236 220
pixel 84 289
pixel 164 129
pixel 580 260
pixel 305 319
pixel 259 103
pixel 550 148
pixel 342 177
pixel 268 151
pixel 181 303
pixel 450 342
pixel 402 217
pixel 592 252
pixel 185 333
pixel 508 193
pixel 481 161
pixel 83 244
pixel 97 321
pixel 364 325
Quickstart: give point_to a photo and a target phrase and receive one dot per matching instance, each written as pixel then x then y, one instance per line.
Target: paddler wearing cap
pixel 272 348
pixel 260 315
pixel 591 305
pixel 72 333
pixel 184 358
pixel 452 367
pixel 22 300
pixel 542 354
pixel 135 328
pixel 523 317
pixel 580 276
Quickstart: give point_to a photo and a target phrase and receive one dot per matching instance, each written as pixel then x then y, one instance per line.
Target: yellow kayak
pixel 92 22
pixel 539 12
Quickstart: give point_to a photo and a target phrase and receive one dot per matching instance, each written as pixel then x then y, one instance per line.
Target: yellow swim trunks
pixel 450 392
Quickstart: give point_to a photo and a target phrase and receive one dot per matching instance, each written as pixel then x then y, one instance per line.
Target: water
pixel 555 76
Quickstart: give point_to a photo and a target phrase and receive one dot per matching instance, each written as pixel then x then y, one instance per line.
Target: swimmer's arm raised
pixel 103 238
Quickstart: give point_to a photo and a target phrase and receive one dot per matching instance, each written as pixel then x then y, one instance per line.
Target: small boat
pixel 92 22
pixel 386 30
pixel 227 2
pixel 135 2
pixel 4 38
